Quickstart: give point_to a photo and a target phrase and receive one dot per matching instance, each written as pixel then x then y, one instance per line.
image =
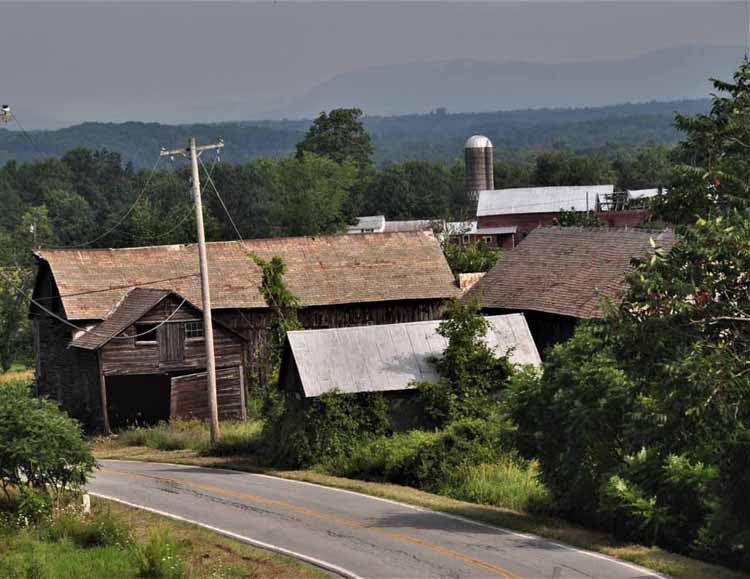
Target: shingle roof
pixel 325 270
pixel 132 307
pixel 540 199
pixel 391 357
pixel 565 270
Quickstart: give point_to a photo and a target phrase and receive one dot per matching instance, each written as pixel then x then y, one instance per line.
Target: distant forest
pixel 438 136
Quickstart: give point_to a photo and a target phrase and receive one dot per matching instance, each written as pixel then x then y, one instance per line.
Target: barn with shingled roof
pixel 134 314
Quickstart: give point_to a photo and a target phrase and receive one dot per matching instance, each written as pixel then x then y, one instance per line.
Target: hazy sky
pixel 170 61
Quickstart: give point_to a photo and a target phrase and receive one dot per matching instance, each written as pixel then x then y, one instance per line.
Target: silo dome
pixel 477 142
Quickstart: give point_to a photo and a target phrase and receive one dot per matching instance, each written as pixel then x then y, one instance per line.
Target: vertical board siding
pixel 189 395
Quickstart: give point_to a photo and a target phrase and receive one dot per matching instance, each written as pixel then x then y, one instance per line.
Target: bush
pixel 158 557
pixel 471 374
pixel 325 429
pixel 40 446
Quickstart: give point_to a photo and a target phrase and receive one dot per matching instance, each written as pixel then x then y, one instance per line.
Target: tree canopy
pixel 340 136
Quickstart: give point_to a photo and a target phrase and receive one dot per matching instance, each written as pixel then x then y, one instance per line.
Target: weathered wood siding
pixel 189 395
pixel 68 375
pixel 120 357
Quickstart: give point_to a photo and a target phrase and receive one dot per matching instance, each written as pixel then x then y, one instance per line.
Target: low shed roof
pixel 390 357
pixel 565 270
pixel 321 271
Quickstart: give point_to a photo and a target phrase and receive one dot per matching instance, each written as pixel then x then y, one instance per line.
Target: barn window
pixel 145 333
pixel 194 330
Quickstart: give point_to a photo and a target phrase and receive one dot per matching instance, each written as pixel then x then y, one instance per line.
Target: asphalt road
pixel 347 533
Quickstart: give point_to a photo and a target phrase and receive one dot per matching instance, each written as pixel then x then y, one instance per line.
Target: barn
pixel 339 280
pixel 560 275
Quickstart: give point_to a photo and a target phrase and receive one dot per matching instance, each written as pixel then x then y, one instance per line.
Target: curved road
pixel 348 533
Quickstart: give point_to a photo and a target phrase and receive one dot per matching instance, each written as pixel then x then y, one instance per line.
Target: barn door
pixel 172 342
pixel 189 395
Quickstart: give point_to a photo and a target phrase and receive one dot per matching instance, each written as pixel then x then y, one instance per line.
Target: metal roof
pixel 369 224
pixel 321 271
pixel 477 142
pixel 495 230
pixel 411 225
pixel 390 357
pixel 540 199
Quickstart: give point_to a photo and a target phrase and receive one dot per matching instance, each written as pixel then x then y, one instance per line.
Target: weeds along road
pixel 349 534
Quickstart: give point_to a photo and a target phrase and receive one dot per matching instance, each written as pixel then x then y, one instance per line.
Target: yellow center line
pixel 352 523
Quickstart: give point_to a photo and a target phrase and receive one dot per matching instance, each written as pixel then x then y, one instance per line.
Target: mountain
pixel 435 136
pixel 465 85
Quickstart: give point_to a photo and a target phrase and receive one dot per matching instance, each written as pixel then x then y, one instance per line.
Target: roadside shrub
pixel 387 458
pixel 465 442
pixel 158 558
pixel 323 430
pixel 40 446
pixel 32 506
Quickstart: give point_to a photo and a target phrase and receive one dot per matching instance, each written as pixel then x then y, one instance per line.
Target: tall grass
pixel 508 483
pixel 237 438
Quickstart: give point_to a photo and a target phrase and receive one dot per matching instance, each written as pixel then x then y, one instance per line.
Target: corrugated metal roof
pixel 368 224
pixel 495 230
pixel 391 357
pixel 324 270
pixel 540 199
pixel 565 270
pixel 412 225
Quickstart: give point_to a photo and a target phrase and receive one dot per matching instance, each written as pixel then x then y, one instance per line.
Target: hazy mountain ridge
pixel 680 72
pixel 426 136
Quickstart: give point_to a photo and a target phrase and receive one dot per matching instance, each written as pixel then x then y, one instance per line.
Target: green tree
pixel 340 136
pixel 568 168
pixel 412 190
pixel 632 418
pixel 15 336
pixel 311 196
pixel 713 171
pixel 71 217
pixel 470 258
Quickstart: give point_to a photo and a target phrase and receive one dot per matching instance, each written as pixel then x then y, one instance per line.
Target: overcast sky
pixel 155 61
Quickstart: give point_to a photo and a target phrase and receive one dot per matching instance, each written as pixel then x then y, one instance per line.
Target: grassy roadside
pixel 211 555
pixel 120 542
pixel 654 558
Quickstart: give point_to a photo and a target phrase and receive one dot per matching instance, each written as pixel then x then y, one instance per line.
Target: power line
pixel 49 312
pixel 218 196
pixel 119 221
pixel 28 137
pixel 112 288
pixel 241 241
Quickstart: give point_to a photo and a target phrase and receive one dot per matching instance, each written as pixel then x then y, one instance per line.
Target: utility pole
pixel 208 329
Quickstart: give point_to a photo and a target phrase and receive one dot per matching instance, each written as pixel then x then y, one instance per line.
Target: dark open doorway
pixel 140 399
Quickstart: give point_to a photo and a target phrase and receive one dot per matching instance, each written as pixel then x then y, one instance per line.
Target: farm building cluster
pixel 119 337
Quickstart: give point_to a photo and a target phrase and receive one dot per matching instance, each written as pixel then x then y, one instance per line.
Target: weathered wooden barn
pixel 559 275
pixel 386 358
pixel 340 280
